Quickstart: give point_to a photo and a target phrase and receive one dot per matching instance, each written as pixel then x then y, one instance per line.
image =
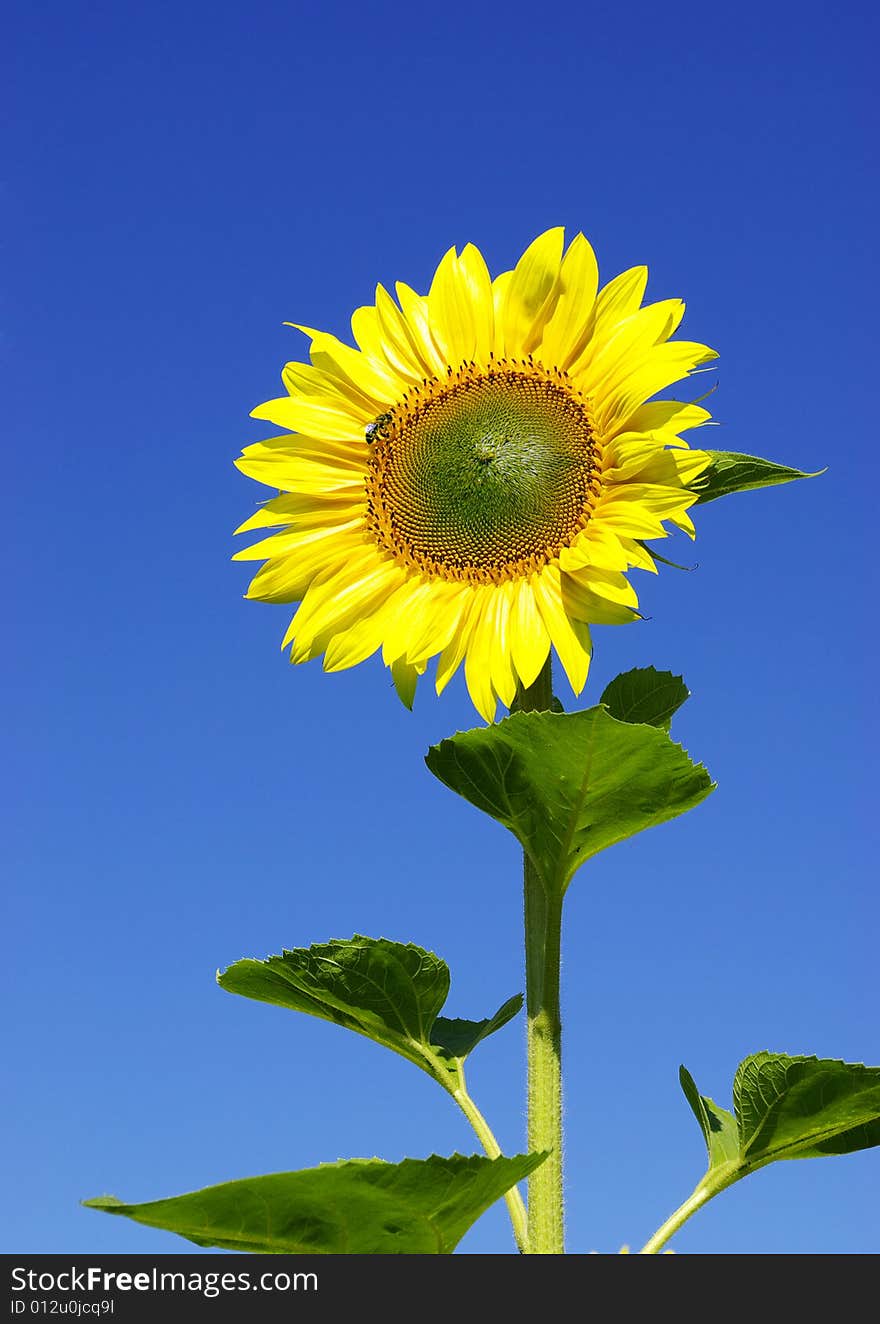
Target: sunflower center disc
pixel 484 475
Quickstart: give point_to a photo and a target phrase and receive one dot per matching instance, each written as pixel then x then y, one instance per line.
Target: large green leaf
pixel 569 784
pixel 645 695
pixel 805 1107
pixel 787 1108
pixel 355 1207
pixel 389 991
pixel 731 472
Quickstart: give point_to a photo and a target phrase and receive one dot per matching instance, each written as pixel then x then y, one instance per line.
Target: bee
pixel 378 428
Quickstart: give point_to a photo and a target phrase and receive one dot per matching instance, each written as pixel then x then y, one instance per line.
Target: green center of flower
pixel 484 476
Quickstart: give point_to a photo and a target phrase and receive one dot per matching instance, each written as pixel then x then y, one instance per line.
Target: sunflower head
pixel 474 480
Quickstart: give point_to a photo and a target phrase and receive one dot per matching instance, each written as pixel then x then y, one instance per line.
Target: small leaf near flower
pixel 731 472
pixel 645 695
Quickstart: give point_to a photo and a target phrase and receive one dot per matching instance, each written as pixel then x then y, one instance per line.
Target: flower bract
pixel 474 480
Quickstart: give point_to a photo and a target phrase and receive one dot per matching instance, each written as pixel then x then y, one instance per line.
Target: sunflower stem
pixel 513 1199
pixel 675 1221
pixel 543 936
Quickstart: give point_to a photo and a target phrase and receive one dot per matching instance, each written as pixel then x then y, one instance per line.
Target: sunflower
pixel 474 480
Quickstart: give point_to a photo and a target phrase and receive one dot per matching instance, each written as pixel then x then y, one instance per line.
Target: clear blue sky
pixel 181 179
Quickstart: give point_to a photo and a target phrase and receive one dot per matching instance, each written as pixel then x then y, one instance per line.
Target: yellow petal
pixel 354 645
pixel 683 521
pixel 638 555
pixel 620 297
pixel 641 460
pixel 452 654
pixel 616 301
pixel 450 312
pixel 402 346
pixel 663 501
pixel 478 658
pixel 607 584
pixel 314 417
pixel 500 287
pixel 637 509
pixel 597 545
pixel 298 508
pixel 630 341
pixel 376 383
pixel 489 651
pixel 630 454
pixel 500 662
pixel 532 292
pixel 571 638
pixel 335 599
pixel 324 449
pixel 287 578
pixel 369 331
pixel 306 379
pixel 667 416
pixel 690 464
pixel 415 311
pixel 439 622
pixel 662 365
pixel 565 333
pixel 411 604
pixel 320 513
pixel 326 386
pixel 283 580
pixel 632 521
pixel 290 473
pixel 291 542
pixel 582 604
pixel 529 638
pixel 478 282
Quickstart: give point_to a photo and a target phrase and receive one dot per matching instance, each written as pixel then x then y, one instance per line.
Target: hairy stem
pixel 543 934
pixel 674 1222
pixel 513 1199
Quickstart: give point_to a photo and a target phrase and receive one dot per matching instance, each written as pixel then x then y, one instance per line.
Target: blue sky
pixel 180 180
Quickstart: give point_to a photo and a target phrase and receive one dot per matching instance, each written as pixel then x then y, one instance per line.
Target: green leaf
pixel 718 1125
pixel 459 1037
pixel 569 784
pixel 805 1107
pixel 354 1207
pixel 664 560
pixel 645 695
pixel 787 1108
pixel 390 992
pixel 784 1108
pixel 731 472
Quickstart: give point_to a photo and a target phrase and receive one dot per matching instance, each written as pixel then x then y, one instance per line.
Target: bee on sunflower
pixel 475 479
